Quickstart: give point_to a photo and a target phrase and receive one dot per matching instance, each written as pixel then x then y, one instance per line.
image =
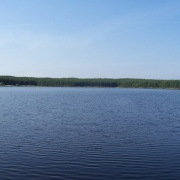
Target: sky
pixel 90 38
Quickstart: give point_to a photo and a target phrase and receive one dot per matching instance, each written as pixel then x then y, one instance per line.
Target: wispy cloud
pixel 90 34
pixel 159 15
pixel 29 25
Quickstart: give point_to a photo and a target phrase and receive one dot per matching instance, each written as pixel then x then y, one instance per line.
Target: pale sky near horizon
pixel 90 38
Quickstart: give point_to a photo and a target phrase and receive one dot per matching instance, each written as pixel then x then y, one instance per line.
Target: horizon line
pixel 89 78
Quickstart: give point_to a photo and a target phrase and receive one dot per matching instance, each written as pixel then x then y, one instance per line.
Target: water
pixel 89 133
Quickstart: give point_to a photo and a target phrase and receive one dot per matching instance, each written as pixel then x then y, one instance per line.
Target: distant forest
pixel 75 82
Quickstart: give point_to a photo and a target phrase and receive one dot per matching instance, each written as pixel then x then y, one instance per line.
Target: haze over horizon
pixel 90 39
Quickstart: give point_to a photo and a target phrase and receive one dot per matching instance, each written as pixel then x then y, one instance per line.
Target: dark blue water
pixel 89 133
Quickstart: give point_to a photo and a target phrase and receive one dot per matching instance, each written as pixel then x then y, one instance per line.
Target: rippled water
pixel 89 133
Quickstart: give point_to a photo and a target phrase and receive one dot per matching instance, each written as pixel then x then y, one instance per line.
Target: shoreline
pixel 90 87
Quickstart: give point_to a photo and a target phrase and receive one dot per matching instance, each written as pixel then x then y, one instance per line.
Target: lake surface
pixel 89 133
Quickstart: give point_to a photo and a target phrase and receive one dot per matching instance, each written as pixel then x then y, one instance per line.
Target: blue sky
pixel 90 38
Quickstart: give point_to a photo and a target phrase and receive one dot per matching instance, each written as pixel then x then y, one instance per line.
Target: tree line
pixel 96 82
